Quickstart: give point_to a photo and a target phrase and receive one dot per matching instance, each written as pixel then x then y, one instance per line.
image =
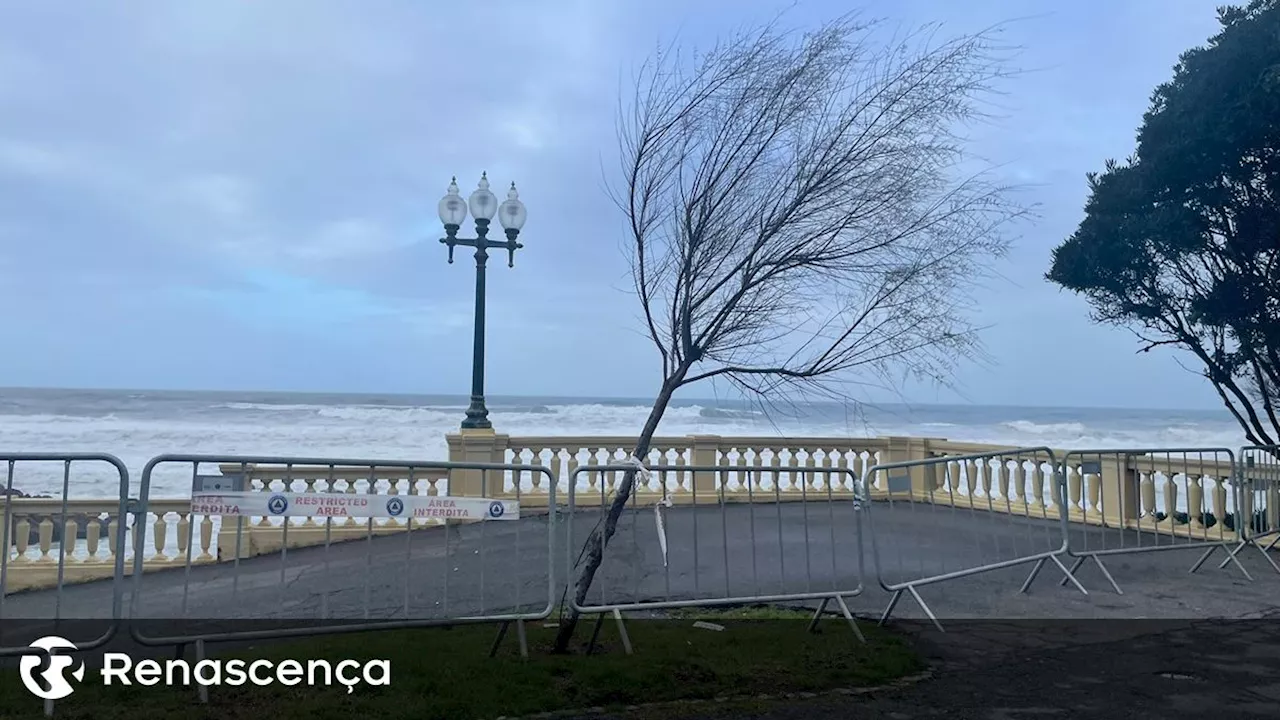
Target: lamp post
pixel 511 214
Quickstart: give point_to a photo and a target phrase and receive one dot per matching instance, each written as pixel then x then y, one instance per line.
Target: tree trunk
pixel 600 536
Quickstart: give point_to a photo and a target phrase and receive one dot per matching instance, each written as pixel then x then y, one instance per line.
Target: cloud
pixel 217 169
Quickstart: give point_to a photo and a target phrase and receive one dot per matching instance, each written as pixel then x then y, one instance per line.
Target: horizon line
pixel 638 399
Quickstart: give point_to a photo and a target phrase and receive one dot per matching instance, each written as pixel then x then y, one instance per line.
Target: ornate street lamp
pixel 511 214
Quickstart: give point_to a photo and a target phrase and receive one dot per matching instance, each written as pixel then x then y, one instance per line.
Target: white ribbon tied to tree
pixel 643 472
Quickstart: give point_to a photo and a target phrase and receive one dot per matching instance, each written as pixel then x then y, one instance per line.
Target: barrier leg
pixel 844 610
pixel 1231 558
pixel 497 641
pixel 897 595
pixel 1075 567
pixel 595 633
pixel 817 615
pixel 200 656
pixel 848 616
pixel 1266 554
pixel 622 631
pixel 1264 550
pixel 521 637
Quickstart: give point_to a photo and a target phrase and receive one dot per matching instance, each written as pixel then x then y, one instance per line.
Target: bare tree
pixel 801 209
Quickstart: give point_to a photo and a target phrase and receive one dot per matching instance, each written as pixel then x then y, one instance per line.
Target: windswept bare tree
pixel 802 212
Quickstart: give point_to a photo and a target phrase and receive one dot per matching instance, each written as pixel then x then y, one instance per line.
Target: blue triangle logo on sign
pixel 278 504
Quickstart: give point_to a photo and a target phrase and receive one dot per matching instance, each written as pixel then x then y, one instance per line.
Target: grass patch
pixel 447 674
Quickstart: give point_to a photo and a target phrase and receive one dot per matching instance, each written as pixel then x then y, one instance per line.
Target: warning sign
pixel 350 505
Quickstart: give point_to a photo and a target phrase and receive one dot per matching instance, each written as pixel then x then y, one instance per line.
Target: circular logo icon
pixel 51 682
pixel 496 509
pixel 277 504
pixel 395 506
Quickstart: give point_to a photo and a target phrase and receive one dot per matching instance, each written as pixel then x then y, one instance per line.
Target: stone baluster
pixel 790 469
pixel 1037 482
pixel 108 533
pixel 350 522
pixel 70 531
pixel 682 476
pixel 986 480
pixel 263 521
pixel 741 465
pixel 1195 501
pixel 159 528
pixel 1170 499
pixel 808 476
pixel 92 536
pixel 1002 471
pixel 554 464
pixel 1093 487
pixel 971 469
pixel 720 480
pixel 310 486
pixel 22 537
pixel 184 532
pixel 845 479
pixel 1272 508
pixel 1075 480
pixel 1018 480
pixel 45 534
pixel 1244 520
pixel 952 482
pixel 595 482
pixel 536 478
pixel 1220 503
pixel 206 539
pixel 1147 494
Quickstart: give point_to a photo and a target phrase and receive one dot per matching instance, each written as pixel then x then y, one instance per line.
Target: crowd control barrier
pixel 1142 500
pixel 794 537
pixel 941 519
pixel 331 545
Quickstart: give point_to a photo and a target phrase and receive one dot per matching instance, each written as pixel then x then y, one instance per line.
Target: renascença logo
pixel 51 682
pixel 118 668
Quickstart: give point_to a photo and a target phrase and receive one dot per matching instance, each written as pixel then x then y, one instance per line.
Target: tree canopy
pixel 1181 241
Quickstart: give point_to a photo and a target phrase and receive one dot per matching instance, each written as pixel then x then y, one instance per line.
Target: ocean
pixel 137 425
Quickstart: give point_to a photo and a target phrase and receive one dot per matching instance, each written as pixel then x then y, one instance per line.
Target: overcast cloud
pixel 241 195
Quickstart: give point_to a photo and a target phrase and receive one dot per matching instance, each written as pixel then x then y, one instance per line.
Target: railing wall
pixel 1144 484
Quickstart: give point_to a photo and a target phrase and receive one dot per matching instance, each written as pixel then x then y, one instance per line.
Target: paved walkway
pixel 490 567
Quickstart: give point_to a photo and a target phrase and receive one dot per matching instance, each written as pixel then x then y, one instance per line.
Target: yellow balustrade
pixel 1126 493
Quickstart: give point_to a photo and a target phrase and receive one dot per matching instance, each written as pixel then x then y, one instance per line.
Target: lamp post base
pixel 477 415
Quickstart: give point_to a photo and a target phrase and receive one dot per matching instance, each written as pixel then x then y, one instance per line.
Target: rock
pixel 15 492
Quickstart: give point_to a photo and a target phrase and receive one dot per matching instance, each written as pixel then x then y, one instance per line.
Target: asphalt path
pixel 521 567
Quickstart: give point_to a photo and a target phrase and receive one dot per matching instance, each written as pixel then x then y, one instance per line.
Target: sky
pixel 242 195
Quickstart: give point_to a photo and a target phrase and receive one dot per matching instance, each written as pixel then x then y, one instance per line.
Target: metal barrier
pixel 704 550
pixel 57 528
pixel 1127 501
pixel 53 528
pixel 434 560
pixel 1258 504
pixel 965 515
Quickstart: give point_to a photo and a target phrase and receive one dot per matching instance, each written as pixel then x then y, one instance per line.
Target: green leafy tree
pixel 1181 242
